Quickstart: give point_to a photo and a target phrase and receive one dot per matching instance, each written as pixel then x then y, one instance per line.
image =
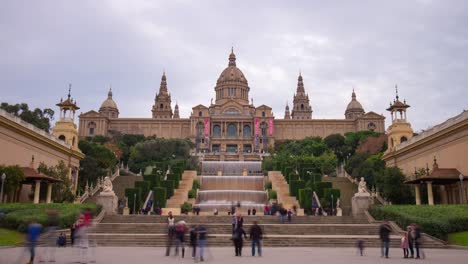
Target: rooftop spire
pixel 396 91
pixel 69 90
pixel 109 94
pixel 300 85
pixel 353 95
pixel 163 86
pixel 232 58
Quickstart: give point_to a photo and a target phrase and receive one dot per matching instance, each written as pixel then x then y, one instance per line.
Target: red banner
pixel 270 127
pixel 257 126
pixel 207 126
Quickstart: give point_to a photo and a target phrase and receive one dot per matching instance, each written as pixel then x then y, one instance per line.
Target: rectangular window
pixel 91 130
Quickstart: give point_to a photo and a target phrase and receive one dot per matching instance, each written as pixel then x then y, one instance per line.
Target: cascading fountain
pixel 229 188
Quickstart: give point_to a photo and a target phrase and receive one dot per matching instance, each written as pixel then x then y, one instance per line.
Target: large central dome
pixel 232 84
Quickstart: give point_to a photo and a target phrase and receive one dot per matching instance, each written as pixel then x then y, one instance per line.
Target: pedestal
pixel 126 211
pixel 109 202
pixel 220 173
pixel 339 212
pixel 360 204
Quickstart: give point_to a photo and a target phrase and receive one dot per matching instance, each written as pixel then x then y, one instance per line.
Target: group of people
pixel 176 235
pixel 79 231
pixel 239 234
pixel 410 241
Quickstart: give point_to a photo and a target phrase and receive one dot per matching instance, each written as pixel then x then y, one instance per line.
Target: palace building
pixel 232 123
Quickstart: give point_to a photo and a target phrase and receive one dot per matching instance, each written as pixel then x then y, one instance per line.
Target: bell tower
pixel 400 130
pixel 65 128
pixel 162 103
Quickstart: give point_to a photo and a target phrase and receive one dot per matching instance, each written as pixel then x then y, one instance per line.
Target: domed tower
pixel 354 109
pixel 65 128
pixel 286 112
pixel 400 130
pixel 109 107
pixel 162 103
pixel 176 112
pixel 232 84
pixel 301 105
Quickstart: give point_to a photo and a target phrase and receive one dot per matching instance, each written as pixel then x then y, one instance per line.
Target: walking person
pixel 50 236
pixel 180 230
pixel 237 221
pixel 72 234
pixel 404 244
pixel 410 241
pixel 289 215
pixel 238 239
pixel 416 235
pixel 254 211
pixel 193 240
pixel 248 211
pixel 33 233
pixel 170 232
pixel 201 242
pixel 384 233
pixel 256 235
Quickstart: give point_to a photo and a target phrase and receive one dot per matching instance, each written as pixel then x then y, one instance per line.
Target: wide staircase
pixel 281 187
pixel 303 231
pixel 181 194
pixel 347 191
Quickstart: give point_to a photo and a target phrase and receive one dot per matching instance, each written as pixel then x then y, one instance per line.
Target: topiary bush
pixel 131 193
pixel 192 193
pixel 196 184
pixel 185 208
pixel 294 187
pixel 305 199
pixel 169 185
pixel 272 194
pixel 159 197
pixel 327 196
pixel 268 185
pixel 144 187
pixel 320 188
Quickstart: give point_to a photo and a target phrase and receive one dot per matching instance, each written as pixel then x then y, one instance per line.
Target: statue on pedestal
pixel 362 188
pixel 107 188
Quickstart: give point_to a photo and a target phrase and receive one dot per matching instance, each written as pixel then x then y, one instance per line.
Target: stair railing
pixel 149 197
pixel 373 193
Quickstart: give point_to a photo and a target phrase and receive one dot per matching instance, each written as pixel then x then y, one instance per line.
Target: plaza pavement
pixel 291 255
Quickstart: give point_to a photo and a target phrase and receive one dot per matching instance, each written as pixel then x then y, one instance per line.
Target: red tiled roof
pixel 439 176
pixel 32 175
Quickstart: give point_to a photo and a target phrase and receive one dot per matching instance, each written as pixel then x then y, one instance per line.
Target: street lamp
pixel 462 192
pixel 332 205
pixel 134 201
pixel 1 192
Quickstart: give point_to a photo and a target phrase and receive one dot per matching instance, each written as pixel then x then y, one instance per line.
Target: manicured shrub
pixel 272 194
pixel 192 193
pixel 144 187
pixel 305 198
pixel 185 208
pixel 175 179
pixel 293 177
pixel 268 185
pixel 320 187
pixel 196 184
pixel 437 220
pixel 169 185
pixel 294 187
pixel 327 196
pixel 159 197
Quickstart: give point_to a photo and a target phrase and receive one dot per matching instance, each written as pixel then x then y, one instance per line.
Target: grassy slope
pixel 10 237
pixel 460 238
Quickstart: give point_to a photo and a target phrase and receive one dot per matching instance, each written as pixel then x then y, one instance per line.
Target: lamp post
pixel 1 191
pixel 134 201
pixel 332 204
pixel 462 192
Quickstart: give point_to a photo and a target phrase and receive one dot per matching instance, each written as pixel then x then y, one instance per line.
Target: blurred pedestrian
pixel 33 233
pixel 62 240
pixel 72 234
pixel 360 247
pixel 201 242
pixel 254 211
pixel 238 239
pixel 410 241
pixel 404 244
pixel 237 221
pixel 193 240
pixel 289 215
pixel 416 235
pixel 384 234
pixel 180 230
pixel 256 235
pixel 248 211
pixel 170 232
pixel 50 235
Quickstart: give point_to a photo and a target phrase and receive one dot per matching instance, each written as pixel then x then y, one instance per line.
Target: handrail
pixel 91 190
pixel 374 194
pixel 148 197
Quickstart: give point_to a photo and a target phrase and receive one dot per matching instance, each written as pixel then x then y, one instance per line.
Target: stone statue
pixel 362 188
pixel 338 203
pixel 107 185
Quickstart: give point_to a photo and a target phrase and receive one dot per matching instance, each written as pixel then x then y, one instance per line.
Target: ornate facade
pixel 232 123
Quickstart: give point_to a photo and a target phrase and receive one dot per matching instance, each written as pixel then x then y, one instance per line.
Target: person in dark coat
pixel 254 211
pixel 193 240
pixel 238 239
pixel 256 235
pixel 384 233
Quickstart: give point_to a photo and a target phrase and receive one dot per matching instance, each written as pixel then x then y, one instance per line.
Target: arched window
pixel 247 131
pixel 200 127
pixel 217 131
pixel 403 139
pixel 61 137
pixel 161 106
pixel 263 114
pixel 302 106
pixel 232 130
pixel 200 113
pixel 371 126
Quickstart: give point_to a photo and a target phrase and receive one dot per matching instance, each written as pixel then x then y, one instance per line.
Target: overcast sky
pixel 370 45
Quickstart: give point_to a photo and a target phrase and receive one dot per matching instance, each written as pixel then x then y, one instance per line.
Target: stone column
pixel 430 195
pixel 37 191
pixel 443 192
pixel 49 193
pixel 417 192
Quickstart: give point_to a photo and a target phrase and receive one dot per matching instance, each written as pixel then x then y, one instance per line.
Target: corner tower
pixel 301 105
pixel 65 128
pixel 162 103
pixel 400 130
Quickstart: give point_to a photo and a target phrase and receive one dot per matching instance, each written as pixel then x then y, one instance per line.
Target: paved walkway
pixel 115 255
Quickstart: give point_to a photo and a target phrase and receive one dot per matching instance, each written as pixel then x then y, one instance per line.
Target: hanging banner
pixel 270 127
pixel 257 126
pixel 207 126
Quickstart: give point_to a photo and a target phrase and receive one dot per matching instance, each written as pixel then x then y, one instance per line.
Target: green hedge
pixel 287 171
pixel 169 185
pixel 192 193
pixel 196 184
pixel 327 196
pixel 437 220
pixel 185 208
pixel 175 179
pixel 272 194
pixel 294 187
pixel 293 177
pixel 144 187
pixel 305 198
pixel 320 188
pixel 154 180
pixel 19 215
pixel 130 194
pixel 159 197
pixel 268 185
